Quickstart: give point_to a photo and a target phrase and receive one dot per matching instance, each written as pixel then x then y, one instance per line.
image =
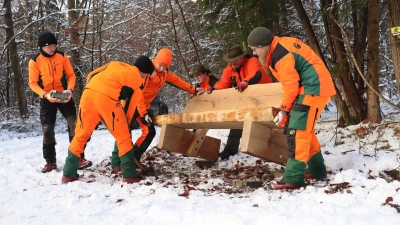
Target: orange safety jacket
pixel 209 81
pixel 47 73
pixel 299 69
pixel 121 82
pixel 250 71
pixel 154 83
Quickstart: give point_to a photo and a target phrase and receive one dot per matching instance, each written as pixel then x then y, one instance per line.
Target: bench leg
pixel 196 142
pixel 264 142
pixel 182 141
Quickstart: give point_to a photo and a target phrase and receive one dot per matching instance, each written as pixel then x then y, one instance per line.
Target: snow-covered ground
pixel 357 191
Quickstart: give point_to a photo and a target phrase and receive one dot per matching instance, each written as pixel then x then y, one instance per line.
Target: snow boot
pixel 283 185
pixel 308 176
pixel 232 144
pixel 49 167
pixel 66 179
pixel 116 170
pixel 224 155
pixel 83 163
pixel 132 180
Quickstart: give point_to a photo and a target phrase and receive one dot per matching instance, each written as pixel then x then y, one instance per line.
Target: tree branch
pixel 188 30
pixel 176 39
pixel 353 59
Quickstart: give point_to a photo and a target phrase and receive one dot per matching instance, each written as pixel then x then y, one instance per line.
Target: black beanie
pixel 260 37
pixel 144 64
pixel 46 38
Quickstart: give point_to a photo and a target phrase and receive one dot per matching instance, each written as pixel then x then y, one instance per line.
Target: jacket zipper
pixel 52 72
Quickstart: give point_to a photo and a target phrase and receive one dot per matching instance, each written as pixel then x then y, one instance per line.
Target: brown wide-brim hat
pixel 199 68
pixel 235 52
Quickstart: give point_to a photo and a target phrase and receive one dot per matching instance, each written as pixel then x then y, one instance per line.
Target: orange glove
pixel 281 119
pixel 199 91
pixel 48 97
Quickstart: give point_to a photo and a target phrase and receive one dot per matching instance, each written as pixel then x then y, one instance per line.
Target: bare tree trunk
pixel 308 28
pixel 314 44
pixel 360 20
pixel 8 81
pixel 93 37
pixel 99 26
pixel 373 108
pixel 12 48
pixel 394 15
pixel 354 102
pixel 75 44
pixel 150 43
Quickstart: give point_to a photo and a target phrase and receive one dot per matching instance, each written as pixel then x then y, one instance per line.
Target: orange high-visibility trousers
pixel 145 131
pixel 93 107
pixel 306 143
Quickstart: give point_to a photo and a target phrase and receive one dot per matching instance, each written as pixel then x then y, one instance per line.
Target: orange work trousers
pixel 94 106
pixel 304 144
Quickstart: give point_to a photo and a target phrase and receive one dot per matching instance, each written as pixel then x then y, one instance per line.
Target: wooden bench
pixel 251 110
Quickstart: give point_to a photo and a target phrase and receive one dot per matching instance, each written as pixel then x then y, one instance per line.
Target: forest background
pixel 353 37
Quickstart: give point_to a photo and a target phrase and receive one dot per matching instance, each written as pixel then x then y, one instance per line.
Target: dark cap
pixel 260 37
pixel 144 64
pixel 235 52
pixel 46 38
pixel 199 68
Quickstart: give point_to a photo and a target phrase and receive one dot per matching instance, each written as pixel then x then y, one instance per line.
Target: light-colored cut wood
pixel 252 110
pixel 254 96
pixel 209 149
pixel 263 142
pixel 174 139
pixel 179 140
pixel 218 119
pixel 196 142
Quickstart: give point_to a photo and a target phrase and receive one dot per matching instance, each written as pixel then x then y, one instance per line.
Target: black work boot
pixel 232 144
pixel 49 154
pixel 224 155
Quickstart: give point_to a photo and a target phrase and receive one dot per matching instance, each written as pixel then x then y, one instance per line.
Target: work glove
pixel 199 91
pixel 146 120
pixel 68 91
pixel 281 119
pixel 242 85
pixel 51 99
pixel 210 90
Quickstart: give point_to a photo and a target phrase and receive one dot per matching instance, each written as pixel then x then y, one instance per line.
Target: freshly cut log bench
pixel 252 110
